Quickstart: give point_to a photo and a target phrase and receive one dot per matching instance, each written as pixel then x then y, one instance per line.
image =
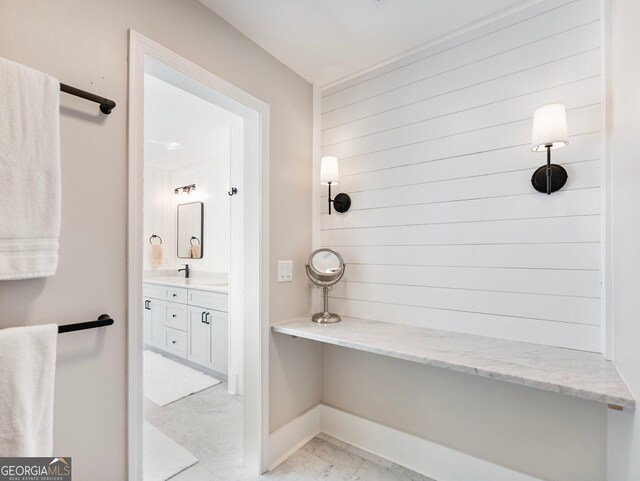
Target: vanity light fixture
pixel 185 189
pixel 549 133
pixel 330 175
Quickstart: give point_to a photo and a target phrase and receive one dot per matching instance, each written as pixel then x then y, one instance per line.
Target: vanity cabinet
pixel 199 336
pixel 208 338
pixel 189 323
pixel 219 325
pixel 153 321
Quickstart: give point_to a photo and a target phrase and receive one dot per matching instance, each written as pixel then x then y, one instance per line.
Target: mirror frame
pixel 322 278
pixel 201 230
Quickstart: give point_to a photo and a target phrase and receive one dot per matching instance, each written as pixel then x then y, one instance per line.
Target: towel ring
pixel 191 240
pixel 151 239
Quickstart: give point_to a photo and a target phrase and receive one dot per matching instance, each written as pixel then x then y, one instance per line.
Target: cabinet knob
pixel 174 294
pixel 173 342
pixel 173 315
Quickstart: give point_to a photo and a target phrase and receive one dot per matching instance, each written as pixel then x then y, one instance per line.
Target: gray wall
pixel 546 435
pixel 84 43
pixel 624 427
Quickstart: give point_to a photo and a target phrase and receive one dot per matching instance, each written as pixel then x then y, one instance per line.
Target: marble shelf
pixel 574 373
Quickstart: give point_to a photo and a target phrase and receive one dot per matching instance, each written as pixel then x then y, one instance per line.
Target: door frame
pixel 250 293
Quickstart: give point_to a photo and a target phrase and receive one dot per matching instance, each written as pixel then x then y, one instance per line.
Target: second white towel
pixel 27 377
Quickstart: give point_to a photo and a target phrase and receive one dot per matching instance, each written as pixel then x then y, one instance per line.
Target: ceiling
pixel 181 130
pixel 328 40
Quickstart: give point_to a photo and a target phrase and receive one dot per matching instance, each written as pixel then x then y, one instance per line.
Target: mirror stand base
pixel 325 318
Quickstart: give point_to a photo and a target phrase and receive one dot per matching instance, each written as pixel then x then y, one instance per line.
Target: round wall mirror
pixel 325 268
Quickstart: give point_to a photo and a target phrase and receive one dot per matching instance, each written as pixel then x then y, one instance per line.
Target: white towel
pixel 27 376
pixel 29 172
pixel 156 255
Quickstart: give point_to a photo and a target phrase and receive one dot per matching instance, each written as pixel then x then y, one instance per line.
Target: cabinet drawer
pixel 154 291
pixel 176 316
pixel 176 294
pixel 176 342
pixel 166 293
pixel 209 300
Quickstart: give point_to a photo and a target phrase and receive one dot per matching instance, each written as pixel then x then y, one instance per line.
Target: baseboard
pixel 425 457
pixel 292 436
pixel 233 384
pixel 218 375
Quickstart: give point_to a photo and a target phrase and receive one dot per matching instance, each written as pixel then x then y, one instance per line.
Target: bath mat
pixel 163 458
pixel 166 381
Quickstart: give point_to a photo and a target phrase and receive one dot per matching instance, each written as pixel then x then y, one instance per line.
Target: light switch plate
pixel 285 271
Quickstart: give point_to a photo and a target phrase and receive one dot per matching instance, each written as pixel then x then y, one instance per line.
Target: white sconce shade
pixel 329 172
pixel 549 128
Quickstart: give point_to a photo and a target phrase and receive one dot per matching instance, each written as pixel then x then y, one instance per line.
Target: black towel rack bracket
pixel 106 105
pixel 102 321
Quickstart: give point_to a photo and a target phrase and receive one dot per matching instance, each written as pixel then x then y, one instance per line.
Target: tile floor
pixel 209 424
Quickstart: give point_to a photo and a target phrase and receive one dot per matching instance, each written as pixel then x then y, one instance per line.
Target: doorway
pixel 197 263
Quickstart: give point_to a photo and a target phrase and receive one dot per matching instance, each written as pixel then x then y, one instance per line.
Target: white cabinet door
pixel 199 336
pixel 219 341
pixel 146 321
pixel 158 315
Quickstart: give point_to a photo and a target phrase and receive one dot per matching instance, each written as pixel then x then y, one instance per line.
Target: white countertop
pixel 575 373
pixel 192 283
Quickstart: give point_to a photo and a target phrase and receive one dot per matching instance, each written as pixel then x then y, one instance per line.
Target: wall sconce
pixel 549 133
pixel 185 189
pixel 330 175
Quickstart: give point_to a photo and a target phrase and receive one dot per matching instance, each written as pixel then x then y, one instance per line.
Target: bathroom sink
pixel 180 281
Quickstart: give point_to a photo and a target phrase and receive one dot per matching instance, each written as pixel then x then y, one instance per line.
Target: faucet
pixel 186 270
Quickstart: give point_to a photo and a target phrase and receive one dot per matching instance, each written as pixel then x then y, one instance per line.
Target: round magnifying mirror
pixel 325 268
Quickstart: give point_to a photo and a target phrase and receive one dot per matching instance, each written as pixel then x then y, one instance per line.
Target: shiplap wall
pixel 445 229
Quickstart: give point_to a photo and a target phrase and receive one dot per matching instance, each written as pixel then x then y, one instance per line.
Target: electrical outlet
pixel 285 271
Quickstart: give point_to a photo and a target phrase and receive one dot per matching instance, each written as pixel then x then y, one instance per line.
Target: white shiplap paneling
pixel 445 230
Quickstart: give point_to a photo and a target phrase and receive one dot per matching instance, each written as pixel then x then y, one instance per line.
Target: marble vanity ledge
pixel 581 374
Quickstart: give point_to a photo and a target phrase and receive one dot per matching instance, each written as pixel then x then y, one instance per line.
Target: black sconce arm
pixel 341 203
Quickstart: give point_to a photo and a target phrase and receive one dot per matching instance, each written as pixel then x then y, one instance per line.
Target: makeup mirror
pixel 325 268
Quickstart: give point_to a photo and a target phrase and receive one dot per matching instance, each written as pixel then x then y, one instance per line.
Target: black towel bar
pixel 106 105
pixel 102 321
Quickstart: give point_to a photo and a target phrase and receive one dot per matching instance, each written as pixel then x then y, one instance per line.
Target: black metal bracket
pixel 102 321
pixel 106 105
pixel 549 178
pixel 341 203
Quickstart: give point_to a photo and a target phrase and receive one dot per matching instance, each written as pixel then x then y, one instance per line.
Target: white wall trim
pixel 605 182
pixel 316 152
pixel 417 454
pixel 255 276
pixel 134 258
pixel 425 457
pixel 287 439
pixel 316 204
